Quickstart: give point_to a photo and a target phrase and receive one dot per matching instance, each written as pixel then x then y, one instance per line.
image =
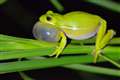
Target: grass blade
pixel 93 69
pixel 107 4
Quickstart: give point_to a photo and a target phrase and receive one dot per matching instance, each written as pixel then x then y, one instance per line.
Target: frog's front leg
pixel 61 45
pixel 102 39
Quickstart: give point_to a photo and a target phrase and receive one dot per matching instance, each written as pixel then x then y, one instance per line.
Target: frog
pixel 76 25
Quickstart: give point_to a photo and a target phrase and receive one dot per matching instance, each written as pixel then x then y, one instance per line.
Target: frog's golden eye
pixel 46 32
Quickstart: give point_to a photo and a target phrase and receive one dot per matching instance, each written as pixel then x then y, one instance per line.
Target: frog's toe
pixel 57 52
pixel 52 54
pixel 96 53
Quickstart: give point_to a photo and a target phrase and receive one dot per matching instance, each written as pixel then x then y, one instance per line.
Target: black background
pixel 17 18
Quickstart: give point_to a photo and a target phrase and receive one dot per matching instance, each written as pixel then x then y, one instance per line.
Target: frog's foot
pixel 102 43
pixel 96 53
pixel 61 45
pixel 57 51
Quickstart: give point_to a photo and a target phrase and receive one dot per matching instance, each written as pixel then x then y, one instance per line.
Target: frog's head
pixel 51 18
pixel 46 29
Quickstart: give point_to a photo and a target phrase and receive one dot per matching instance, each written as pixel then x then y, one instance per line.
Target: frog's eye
pixel 46 32
pixel 49 18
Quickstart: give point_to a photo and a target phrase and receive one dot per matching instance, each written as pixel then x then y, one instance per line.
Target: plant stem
pixel 107 4
pixel 43 63
pixel 94 69
pixel 27 48
pixel 110 60
pixel 114 41
pixel 13 54
pixel 24 76
pixel 57 5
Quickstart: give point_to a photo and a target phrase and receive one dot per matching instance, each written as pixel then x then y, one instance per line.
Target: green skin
pixel 79 25
pixel 74 23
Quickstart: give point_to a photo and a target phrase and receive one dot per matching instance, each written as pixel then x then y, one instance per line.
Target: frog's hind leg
pixel 102 39
pixel 61 45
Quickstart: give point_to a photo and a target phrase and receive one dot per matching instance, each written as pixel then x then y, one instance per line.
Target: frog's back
pixel 78 18
pixel 80 25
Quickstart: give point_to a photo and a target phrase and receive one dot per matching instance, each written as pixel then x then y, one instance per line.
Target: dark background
pixel 17 18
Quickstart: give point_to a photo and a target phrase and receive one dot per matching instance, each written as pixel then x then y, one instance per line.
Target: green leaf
pixel 2 1
pixel 93 69
pixel 29 48
pixel 57 5
pixel 107 4
pixel 25 77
